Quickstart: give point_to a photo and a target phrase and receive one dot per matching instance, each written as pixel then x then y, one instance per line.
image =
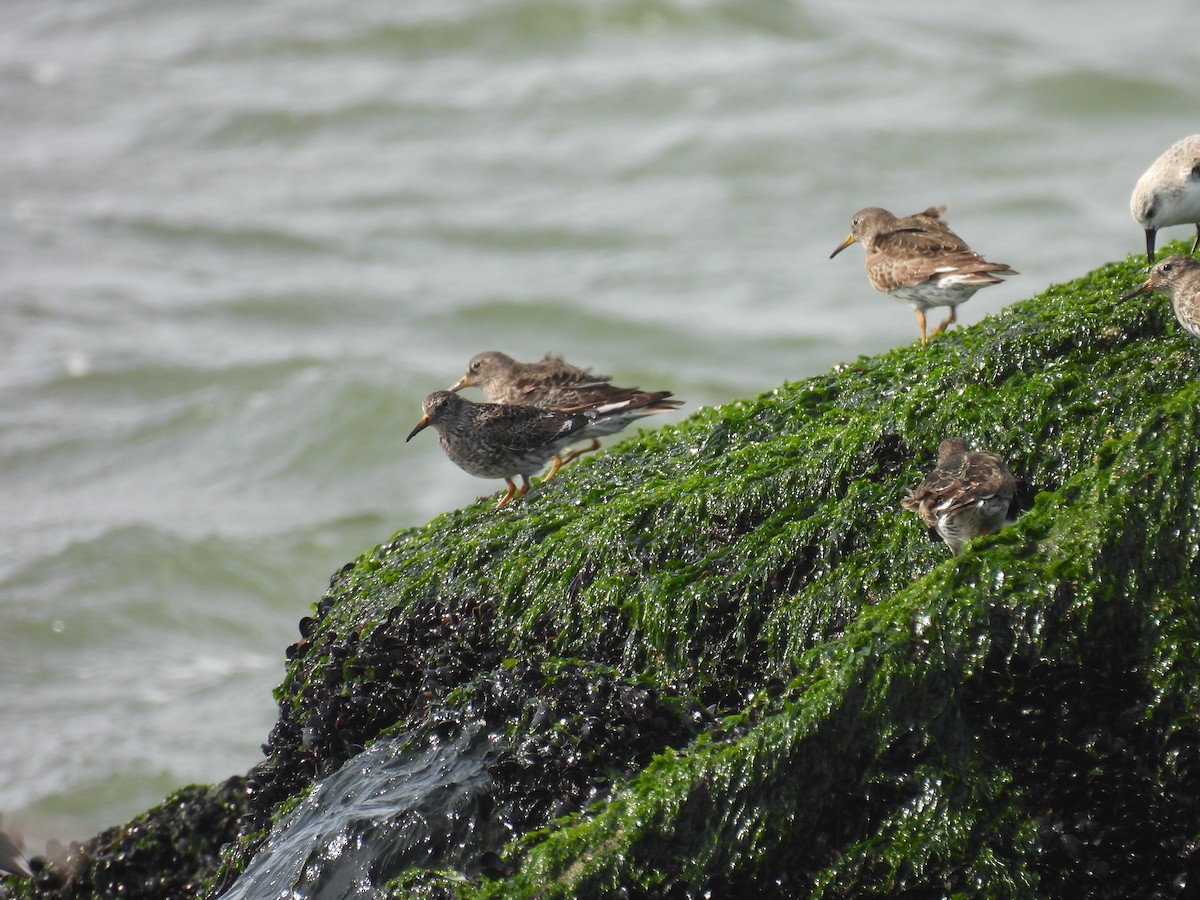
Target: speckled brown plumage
pixel 553 383
pixel 1179 278
pixel 919 261
pixel 966 495
pixel 500 440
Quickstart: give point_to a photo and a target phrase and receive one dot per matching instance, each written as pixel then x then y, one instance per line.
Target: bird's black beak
pixel 420 426
pixel 1143 288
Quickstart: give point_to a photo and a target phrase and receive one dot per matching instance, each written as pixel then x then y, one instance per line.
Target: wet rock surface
pixel 719 661
pixel 565 729
pixel 1114 784
pixel 169 851
pixel 551 738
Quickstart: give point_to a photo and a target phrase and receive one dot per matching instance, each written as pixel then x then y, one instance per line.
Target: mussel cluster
pixel 352 688
pixel 568 728
pixel 169 851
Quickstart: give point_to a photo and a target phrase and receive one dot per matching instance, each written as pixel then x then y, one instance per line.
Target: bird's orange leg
pixel 950 320
pixel 921 321
pixel 574 452
pixel 524 487
pixel 555 465
pixel 509 494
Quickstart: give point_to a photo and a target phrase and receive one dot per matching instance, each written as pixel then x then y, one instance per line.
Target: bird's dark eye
pixel 1167 268
pixel 477 365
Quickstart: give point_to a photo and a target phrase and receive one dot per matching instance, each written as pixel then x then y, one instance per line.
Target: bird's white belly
pixel 941 290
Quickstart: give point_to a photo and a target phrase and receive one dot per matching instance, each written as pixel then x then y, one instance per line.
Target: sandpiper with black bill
pixel 1168 193
pixel 553 383
pixel 1179 278
pixel 501 440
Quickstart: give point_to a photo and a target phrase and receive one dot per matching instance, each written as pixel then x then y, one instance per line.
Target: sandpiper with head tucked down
pixel 550 383
pixel 918 260
pixel 499 440
pixel 1168 193
pixel 967 495
pixel 1179 278
pixel 553 383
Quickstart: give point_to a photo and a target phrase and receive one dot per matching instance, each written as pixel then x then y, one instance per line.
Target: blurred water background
pixel 240 243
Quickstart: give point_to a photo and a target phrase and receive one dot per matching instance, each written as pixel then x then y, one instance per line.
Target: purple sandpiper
pixel 1179 278
pixel 1168 193
pixel 919 261
pixel 967 495
pixel 553 383
pixel 501 440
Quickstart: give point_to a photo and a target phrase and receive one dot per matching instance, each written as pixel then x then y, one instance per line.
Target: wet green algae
pixel 1020 720
pixel 880 719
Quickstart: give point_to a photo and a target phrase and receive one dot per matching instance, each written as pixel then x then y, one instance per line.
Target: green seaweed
pixel 868 715
pixel 762 541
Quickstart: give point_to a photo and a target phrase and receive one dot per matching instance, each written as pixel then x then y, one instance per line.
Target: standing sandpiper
pixel 920 261
pixel 553 383
pixel 498 440
pixel 1168 193
pixel 1179 278
pixel 967 495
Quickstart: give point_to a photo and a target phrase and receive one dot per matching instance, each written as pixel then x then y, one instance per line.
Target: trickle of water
pixel 404 802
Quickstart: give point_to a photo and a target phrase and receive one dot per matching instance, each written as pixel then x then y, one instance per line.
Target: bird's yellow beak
pixel 461 383
pixel 843 245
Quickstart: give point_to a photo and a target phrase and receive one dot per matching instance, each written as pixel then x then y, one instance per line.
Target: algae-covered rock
pixel 168 851
pixel 718 660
